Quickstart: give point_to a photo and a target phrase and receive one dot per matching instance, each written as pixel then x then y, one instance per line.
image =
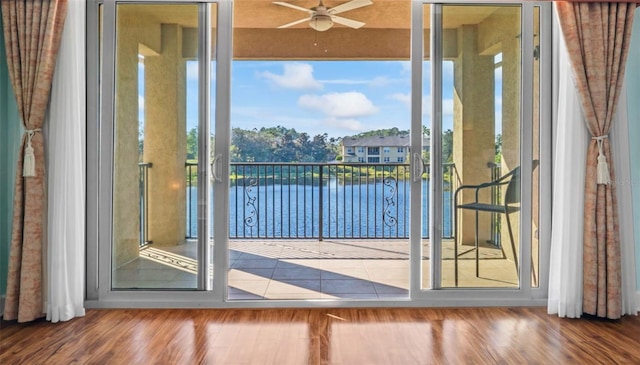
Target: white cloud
pixel 351 104
pixel 140 104
pixel 295 76
pixel 380 81
pixel 447 69
pixel 351 125
pixel 497 74
pixel 403 98
pixel 406 66
pixel 426 106
pixel 447 106
pixel 192 70
pixel 345 82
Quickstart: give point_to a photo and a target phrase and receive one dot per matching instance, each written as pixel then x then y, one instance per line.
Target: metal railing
pixel 496 198
pixel 320 200
pixel 143 184
pixel 192 171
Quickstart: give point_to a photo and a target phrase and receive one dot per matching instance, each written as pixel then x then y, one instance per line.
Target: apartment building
pixel 378 149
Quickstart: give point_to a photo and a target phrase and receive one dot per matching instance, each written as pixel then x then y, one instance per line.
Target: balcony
pixel 318 231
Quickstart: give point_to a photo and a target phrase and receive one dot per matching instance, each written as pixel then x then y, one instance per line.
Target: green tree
pixel 192 144
pixel 140 141
pixel 280 144
pixel 382 132
pixel 321 150
pixel 447 146
pixel 249 146
pixel 498 157
pixel 286 148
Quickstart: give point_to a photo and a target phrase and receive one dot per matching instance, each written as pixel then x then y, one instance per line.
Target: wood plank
pixel 322 336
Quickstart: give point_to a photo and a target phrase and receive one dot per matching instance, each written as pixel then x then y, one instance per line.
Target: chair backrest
pixel 512 195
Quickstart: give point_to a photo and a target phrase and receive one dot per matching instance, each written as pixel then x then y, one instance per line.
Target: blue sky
pixel 339 98
pixel 335 97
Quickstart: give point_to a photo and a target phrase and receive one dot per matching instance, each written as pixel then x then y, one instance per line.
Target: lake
pixel 375 210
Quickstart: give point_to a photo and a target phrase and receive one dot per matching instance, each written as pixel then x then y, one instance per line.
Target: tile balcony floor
pixel 311 269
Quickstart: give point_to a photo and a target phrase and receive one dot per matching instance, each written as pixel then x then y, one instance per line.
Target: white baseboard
pixel 638 300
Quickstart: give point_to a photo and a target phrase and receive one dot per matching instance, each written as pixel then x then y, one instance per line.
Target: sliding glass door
pixel 251 151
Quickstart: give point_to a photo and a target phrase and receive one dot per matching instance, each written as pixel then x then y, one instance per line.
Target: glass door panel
pixel 479 65
pixel 156 114
pixel 319 158
pixel 484 123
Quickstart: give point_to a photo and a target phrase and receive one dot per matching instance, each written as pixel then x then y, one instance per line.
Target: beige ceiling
pixel 384 36
pixel 383 14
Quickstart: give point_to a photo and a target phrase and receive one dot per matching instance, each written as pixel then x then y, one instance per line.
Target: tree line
pixel 280 144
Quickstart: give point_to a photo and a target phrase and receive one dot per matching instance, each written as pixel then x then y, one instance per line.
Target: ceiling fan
pixel 321 18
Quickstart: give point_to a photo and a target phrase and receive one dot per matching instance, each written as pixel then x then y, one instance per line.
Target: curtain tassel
pixel 29 160
pixel 603 171
pixel 603 176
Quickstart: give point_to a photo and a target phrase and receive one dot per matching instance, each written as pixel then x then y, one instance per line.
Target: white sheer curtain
pixel 621 159
pixel 570 150
pixel 66 173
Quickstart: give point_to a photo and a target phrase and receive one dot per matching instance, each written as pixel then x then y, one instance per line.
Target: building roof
pixel 382 141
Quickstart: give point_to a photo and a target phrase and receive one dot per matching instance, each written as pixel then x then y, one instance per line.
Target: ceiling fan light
pixel 321 22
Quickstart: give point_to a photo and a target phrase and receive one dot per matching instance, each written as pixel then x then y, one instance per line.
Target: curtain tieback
pixel 603 177
pixel 29 161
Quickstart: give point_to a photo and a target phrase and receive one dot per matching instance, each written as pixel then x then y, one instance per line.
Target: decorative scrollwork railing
pixel 391 185
pixel 251 211
pixel 323 201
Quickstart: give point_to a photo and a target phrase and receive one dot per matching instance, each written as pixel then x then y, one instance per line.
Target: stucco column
pixel 136 34
pixel 511 132
pixel 126 210
pixel 165 138
pixel 473 127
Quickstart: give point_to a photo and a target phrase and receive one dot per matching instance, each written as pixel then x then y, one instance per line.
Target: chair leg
pixel 513 245
pixel 533 271
pixel 477 247
pixel 455 246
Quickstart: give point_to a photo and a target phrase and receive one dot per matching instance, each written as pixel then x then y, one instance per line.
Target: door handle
pixel 418 167
pixel 216 168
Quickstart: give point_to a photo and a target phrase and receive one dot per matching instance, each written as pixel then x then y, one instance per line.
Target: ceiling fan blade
pixel 282 3
pixel 294 23
pixel 353 4
pixel 347 22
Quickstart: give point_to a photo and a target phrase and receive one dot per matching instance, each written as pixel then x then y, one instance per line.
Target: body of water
pixel 377 210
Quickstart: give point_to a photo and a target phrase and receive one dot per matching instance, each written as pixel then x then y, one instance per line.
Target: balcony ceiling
pixel 256 34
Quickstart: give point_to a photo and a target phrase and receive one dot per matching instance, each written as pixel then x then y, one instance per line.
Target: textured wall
pixel 136 34
pixel 9 144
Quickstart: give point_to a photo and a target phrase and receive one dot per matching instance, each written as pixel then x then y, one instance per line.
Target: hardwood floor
pixel 322 336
